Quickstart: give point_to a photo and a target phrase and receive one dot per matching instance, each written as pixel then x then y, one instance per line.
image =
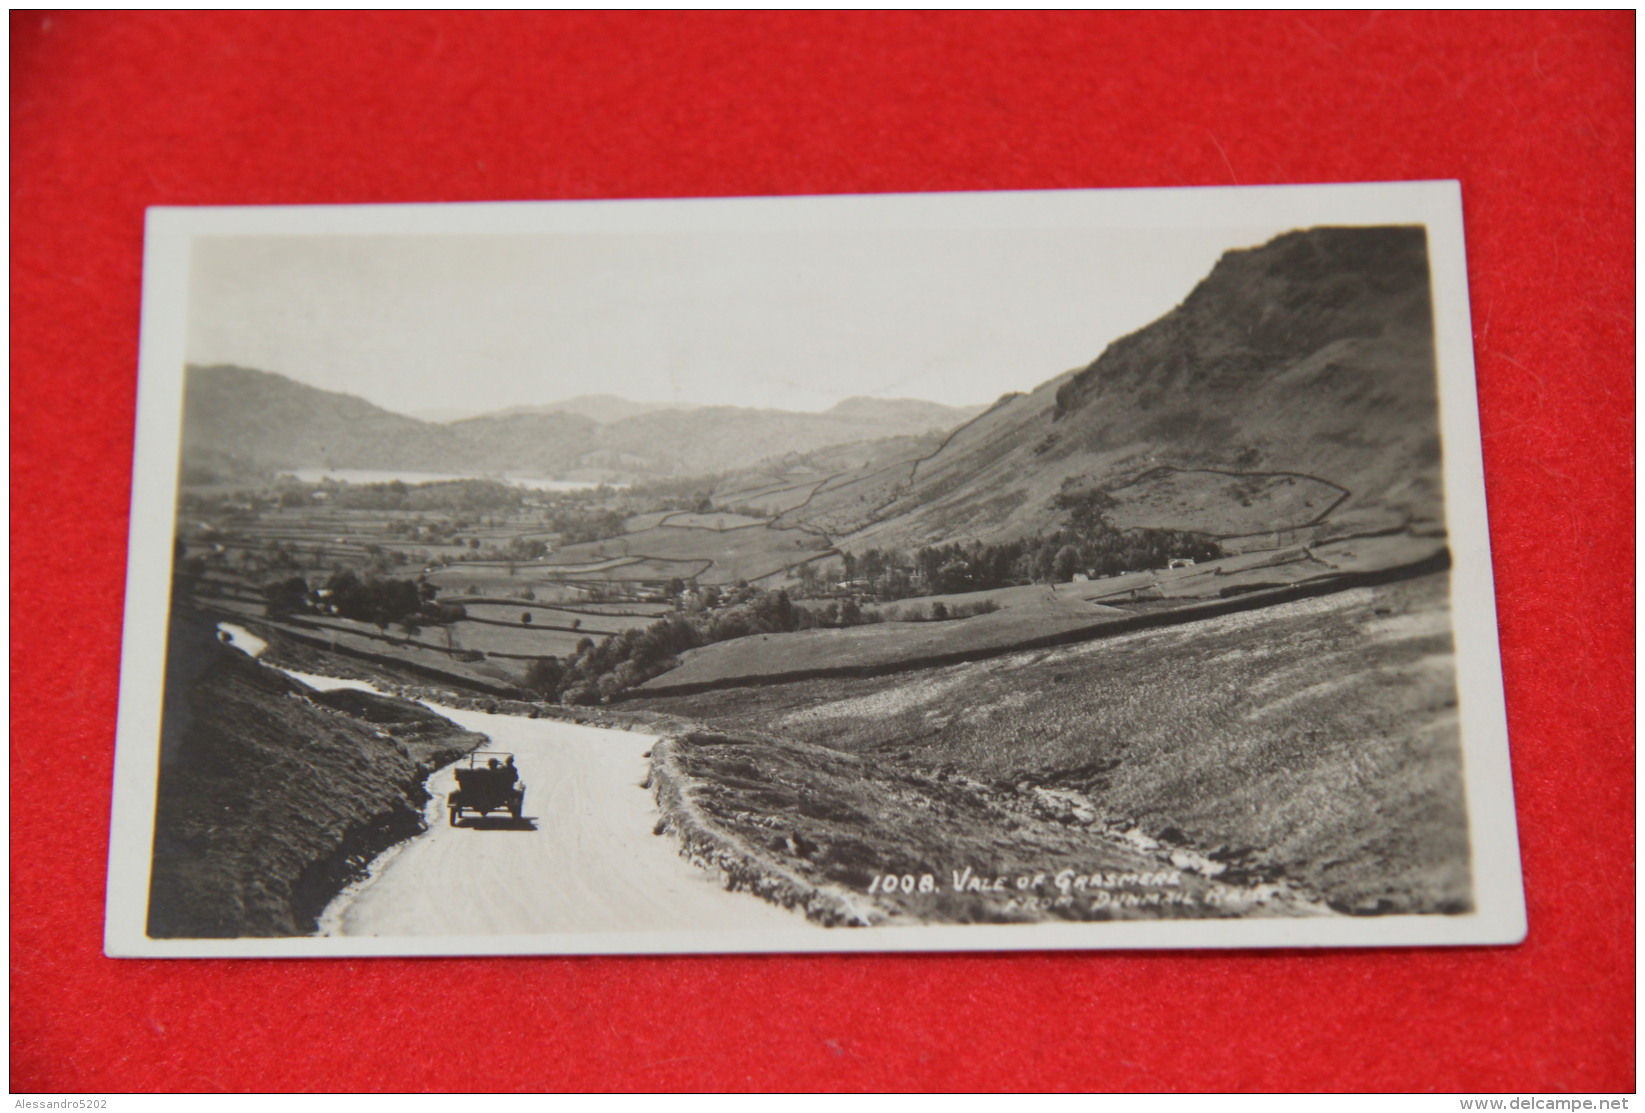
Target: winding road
pixel 581 859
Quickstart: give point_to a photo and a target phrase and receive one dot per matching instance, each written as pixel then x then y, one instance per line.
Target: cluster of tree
pixel 939 611
pixel 380 600
pixel 516 549
pixel 579 524
pixel 223 506
pixel 438 531
pixel 689 492
pixel 471 495
pixel 1088 544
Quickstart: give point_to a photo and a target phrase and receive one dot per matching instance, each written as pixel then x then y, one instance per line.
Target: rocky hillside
pixel 1293 389
pixel 272 796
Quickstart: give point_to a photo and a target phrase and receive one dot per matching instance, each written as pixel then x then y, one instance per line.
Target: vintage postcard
pixel 1073 569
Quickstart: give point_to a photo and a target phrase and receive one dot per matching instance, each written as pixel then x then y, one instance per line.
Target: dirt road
pixel 582 859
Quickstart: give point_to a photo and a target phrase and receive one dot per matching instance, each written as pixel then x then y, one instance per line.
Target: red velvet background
pixel 1533 113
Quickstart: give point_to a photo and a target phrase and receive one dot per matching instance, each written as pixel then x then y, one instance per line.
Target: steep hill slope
pixel 1293 387
pixel 272 795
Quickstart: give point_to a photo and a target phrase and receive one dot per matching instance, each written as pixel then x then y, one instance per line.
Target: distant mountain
pixel 441 415
pixel 1294 384
pixel 266 420
pixel 715 439
pixel 907 411
pixel 603 408
pixel 238 421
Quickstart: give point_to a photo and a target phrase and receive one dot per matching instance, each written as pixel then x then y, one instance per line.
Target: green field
pixel 516 641
pixel 712 556
pixel 427 650
pixel 586 621
pixel 641 570
pixel 629 609
pixel 881 644
pixel 853 500
pixel 774 498
pixel 642 522
pixel 718 522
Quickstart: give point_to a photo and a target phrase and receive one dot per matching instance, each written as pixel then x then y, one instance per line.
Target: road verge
pixel 709 846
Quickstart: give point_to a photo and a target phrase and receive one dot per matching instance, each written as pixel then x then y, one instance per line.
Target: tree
pixel 286 596
pixel 582 693
pixel 807 574
pixel 544 675
pixel 1067 561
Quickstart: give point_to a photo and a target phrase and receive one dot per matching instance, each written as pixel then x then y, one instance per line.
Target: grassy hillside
pixel 724 552
pixel 1312 743
pixel 1009 618
pixel 272 796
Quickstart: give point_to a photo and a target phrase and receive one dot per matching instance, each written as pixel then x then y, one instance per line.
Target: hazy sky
pixel 796 320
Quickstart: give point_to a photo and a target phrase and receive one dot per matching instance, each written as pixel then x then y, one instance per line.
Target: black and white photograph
pixel 1073 569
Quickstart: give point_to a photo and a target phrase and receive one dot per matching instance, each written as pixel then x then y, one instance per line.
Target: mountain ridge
pixel 1295 381
pixel 240 420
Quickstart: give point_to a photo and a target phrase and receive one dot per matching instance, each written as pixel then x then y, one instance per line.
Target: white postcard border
pixel 1499 917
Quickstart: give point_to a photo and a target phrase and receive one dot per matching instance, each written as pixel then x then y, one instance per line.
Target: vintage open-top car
pixel 487 783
